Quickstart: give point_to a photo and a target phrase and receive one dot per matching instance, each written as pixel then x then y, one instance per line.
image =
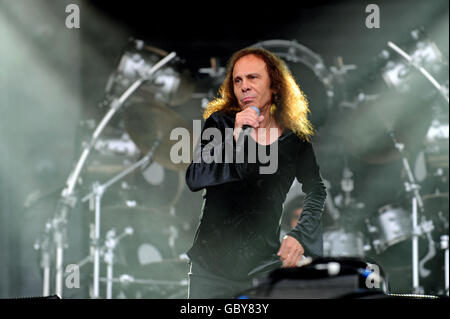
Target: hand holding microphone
pixel 246 120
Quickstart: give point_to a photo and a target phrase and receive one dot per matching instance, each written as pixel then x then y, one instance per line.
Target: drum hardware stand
pixel 111 242
pixel 173 235
pixel 360 98
pixel 43 244
pixel 372 231
pixel 59 228
pixel 95 204
pixel 444 245
pixel 440 88
pixel 81 263
pixel 215 70
pixel 417 202
pixel 427 227
pixel 339 73
pixel 126 279
pixel 68 200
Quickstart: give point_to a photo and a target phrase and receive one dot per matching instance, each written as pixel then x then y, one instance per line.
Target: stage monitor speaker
pixel 322 278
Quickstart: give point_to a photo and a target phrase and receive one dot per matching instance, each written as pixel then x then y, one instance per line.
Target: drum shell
pixel 389 227
pixel 340 243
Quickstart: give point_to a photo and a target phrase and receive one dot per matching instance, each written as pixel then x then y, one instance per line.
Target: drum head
pixel 310 73
pixel 157 235
pixel 391 236
pixel 338 242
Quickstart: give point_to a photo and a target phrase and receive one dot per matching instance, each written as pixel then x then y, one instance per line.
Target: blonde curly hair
pixel 290 105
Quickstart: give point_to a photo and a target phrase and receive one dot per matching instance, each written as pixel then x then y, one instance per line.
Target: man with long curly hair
pixel 238 235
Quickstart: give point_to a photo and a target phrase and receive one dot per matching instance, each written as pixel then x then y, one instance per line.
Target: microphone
pixel 246 129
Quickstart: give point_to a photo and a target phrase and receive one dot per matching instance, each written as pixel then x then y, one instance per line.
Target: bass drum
pixel 310 73
pixel 159 187
pixel 154 235
pixel 154 187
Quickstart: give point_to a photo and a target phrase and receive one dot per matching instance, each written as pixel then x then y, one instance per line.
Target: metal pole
pixel 446 268
pixel 421 69
pixel 43 244
pixel 417 204
pixel 46 285
pixel 109 259
pixel 444 245
pixel 109 284
pixel 96 241
pixel 67 199
pixel 59 273
pixel 96 194
pixel 59 234
pixel 415 248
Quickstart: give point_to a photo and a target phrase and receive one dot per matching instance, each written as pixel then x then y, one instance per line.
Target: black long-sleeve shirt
pixel 239 228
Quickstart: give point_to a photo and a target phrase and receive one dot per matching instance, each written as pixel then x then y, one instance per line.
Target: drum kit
pixel 137 243
pixel 134 186
pixel 402 118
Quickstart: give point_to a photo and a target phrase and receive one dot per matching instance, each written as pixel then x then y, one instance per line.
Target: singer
pixel 238 237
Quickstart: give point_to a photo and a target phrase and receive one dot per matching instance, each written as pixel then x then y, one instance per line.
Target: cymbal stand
pixel 110 244
pixel 412 187
pixel 444 246
pixel 107 251
pixel 95 204
pixel 68 200
pixel 43 244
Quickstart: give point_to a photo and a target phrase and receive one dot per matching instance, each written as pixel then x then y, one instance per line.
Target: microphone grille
pixel 256 109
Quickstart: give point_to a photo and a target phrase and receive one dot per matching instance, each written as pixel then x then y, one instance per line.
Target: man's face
pixel 251 82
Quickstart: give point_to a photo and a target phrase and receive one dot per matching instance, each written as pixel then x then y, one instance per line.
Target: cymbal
pixel 366 129
pixel 145 123
pixel 173 83
pixel 184 91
